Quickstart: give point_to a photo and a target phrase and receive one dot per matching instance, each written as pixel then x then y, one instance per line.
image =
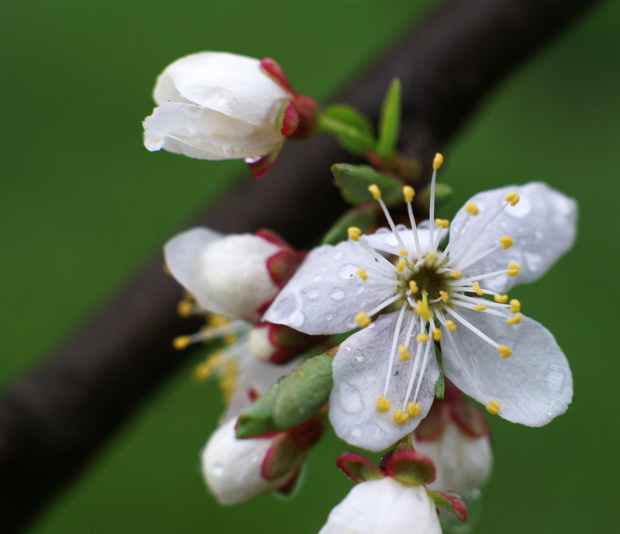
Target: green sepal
pixel 410 468
pixel 282 458
pixel 363 216
pixel 358 468
pixel 389 122
pixel 440 384
pixel 354 180
pixel 302 393
pixel 352 129
pixel 256 418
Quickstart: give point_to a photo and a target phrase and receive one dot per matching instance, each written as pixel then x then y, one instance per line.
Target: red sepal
pixel 273 69
pixel 281 458
pixel 282 265
pixel 432 426
pixel 358 468
pixel 308 112
pixel 290 120
pixel 262 165
pixel 409 467
pixel 449 501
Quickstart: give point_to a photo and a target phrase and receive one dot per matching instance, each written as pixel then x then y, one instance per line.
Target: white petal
pixel 202 133
pixel 532 386
pixel 360 370
pixel 228 83
pixel 542 224
pixel 227 275
pixel 384 506
pixel 325 294
pixel 385 240
pixel 462 464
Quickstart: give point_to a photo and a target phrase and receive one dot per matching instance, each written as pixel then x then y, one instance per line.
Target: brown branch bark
pixel 53 420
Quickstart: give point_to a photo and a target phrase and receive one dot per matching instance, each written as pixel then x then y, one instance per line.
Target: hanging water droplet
pixel 251 161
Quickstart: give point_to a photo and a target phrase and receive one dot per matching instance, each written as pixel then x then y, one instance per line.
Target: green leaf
pixel 256 418
pixel 302 393
pixel 364 217
pixel 389 122
pixel 352 129
pixel 354 180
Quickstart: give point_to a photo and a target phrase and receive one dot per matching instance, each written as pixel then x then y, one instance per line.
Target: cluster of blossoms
pixel 427 302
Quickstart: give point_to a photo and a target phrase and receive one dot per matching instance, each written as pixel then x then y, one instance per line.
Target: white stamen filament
pixel 391 223
pixel 383 305
pixel 399 323
pixel 416 364
pixel 414 229
pixel 471 327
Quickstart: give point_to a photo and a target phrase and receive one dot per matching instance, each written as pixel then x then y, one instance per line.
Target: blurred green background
pixel 83 205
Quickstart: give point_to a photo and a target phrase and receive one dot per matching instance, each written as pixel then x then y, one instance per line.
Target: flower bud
pixel 236 275
pixel 233 468
pixel 462 463
pixel 215 105
pixel 384 506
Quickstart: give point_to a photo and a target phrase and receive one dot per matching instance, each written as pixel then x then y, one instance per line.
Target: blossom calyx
pixel 236 275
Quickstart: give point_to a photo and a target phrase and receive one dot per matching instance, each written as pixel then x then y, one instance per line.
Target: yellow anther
pixel 493 407
pixel 383 405
pixel 444 295
pixel 403 252
pixel 515 306
pixel 408 193
pixel 420 338
pixel 504 351
pixel 215 319
pixel 513 269
pixel 500 299
pixel 451 326
pixel 422 310
pixel 471 208
pixel 374 190
pixel 430 256
pixel 477 290
pixel 403 354
pixel 362 274
pixel 413 287
pixel 456 274
pixel 510 197
pixel 480 307
pixel 437 161
pixel 354 233
pixel 362 319
pixel 181 342
pixel 400 266
pixel 400 417
pixel 413 409
pixel 184 309
pixel 202 371
pixel 515 200
pixel 437 334
pixel 444 223
pixel 506 241
pixel 515 319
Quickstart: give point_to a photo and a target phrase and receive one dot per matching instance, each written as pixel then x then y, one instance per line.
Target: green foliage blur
pixel 84 204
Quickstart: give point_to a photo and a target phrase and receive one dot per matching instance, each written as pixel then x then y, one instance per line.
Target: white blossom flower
pixel 385 374
pixel 215 105
pixel 233 468
pixel 384 506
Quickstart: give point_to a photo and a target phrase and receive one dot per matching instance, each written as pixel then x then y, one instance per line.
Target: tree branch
pixel 54 420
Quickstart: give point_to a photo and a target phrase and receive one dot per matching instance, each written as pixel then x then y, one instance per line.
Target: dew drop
pixel 351 400
pixel 356 432
pixel 217 469
pixel 251 161
pixel 317 278
pixel 329 317
pixel 296 319
pixel 337 256
pixel 520 210
pixel 554 379
pixel 533 261
pixel 347 271
pixel 337 294
pixel 358 355
pixel 347 348
pixel 313 294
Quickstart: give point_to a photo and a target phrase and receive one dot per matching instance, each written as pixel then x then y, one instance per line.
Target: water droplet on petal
pixel 296 319
pixel 217 469
pixel 317 278
pixel 347 271
pixel 313 294
pixel 251 161
pixel 356 432
pixel 351 400
pixel 358 355
pixel 337 256
pixel 337 294
pixel 520 210
pixel 347 348
pixel 329 317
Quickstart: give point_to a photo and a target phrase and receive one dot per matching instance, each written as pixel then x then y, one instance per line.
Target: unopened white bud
pixel 260 344
pixel 226 275
pixel 462 463
pixel 215 105
pixel 384 506
pixel 232 467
